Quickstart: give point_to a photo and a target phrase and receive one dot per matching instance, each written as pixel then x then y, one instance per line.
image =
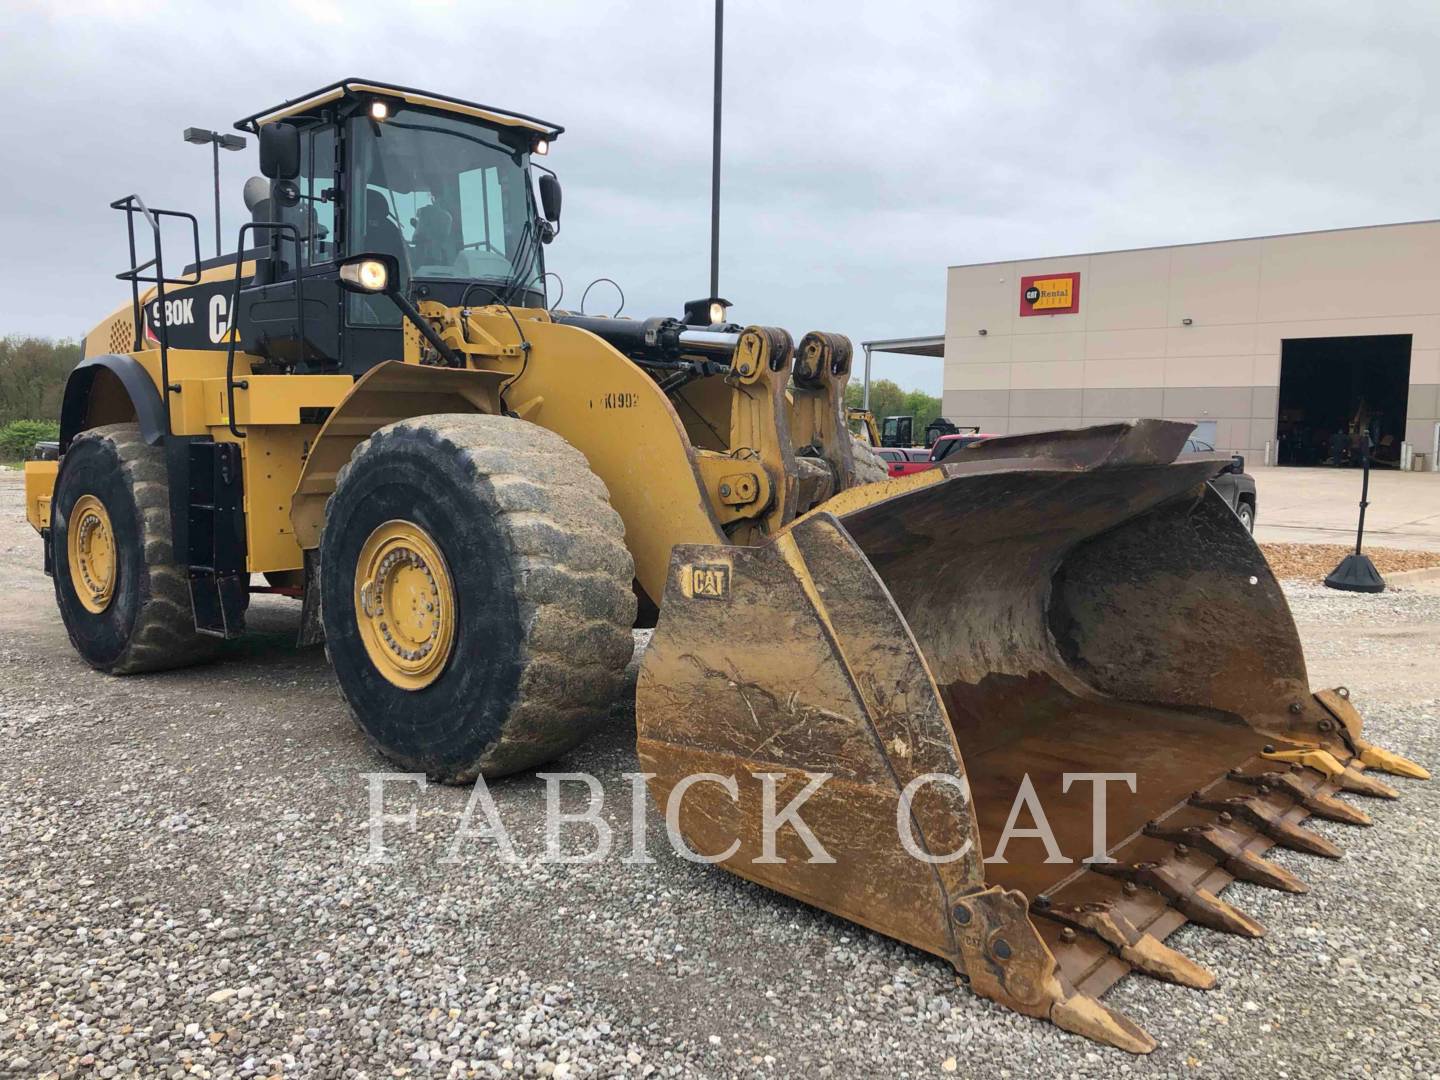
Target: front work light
pixel 367 274
pixel 711 311
pixel 379 111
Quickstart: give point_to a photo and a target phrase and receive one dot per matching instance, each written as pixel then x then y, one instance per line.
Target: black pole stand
pixel 1356 573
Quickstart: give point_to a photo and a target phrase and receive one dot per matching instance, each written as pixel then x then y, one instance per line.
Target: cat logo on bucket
pixel 705 581
pixel 1050 294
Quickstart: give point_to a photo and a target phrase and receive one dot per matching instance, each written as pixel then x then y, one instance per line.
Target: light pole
pixel 202 136
pixel 714 308
pixel 715 154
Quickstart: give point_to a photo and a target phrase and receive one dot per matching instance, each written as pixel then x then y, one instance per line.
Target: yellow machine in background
pixel 371 408
pixel 862 426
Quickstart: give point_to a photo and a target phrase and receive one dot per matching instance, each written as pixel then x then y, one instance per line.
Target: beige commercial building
pixel 1277 347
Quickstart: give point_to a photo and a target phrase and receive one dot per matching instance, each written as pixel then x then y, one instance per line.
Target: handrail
pixel 131 205
pixel 233 331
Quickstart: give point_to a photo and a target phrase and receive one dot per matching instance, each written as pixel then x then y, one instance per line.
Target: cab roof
pixel 358 89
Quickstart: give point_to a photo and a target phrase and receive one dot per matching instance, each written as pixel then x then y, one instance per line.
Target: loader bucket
pixel 916 657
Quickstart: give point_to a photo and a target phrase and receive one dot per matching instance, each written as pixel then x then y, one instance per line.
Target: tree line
pixel 32 379
pixel 887 398
pixel 32 376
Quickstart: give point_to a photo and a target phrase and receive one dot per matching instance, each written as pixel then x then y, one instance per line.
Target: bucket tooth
pixel 1153 957
pixel 1227 848
pixel 1005 959
pixel 1084 1015
pixel 1352 779
pixel 1318 803
pixel 1347 776
pixel 1259 815
pixel 1332 809
pixel 1196 904
pixel 1143 952
pixel 1337 703
pixel 1377 757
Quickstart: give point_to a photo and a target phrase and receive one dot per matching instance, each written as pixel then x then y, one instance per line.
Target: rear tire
pixel 509 539
pixel 1246 513
pixel 143 620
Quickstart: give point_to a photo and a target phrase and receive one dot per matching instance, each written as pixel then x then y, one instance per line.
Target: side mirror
pixel 286 192
pixel 550 198
pixel 1237 463
pixel 280 151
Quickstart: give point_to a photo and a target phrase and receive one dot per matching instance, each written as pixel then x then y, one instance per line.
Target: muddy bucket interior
pixel 1110 621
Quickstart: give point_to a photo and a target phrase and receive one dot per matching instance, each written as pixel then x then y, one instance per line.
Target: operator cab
pixel 440 187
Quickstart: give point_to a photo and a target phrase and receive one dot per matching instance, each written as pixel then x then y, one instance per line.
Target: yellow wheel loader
pixel 370 408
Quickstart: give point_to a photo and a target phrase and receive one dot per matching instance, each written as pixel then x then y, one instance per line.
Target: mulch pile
pixel 1311 562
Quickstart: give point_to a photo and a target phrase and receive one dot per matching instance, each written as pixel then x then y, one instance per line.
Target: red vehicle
pixel 900 460
pixel 903 462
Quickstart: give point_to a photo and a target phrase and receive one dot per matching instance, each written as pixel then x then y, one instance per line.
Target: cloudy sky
pixel 867 145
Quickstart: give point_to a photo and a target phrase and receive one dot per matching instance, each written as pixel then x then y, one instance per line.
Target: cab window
pixel 314 212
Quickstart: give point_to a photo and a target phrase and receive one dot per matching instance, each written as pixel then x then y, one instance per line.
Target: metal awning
pixel 932 345
pixel 909 346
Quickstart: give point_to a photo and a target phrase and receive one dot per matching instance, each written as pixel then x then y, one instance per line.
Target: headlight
pixel 717 312
pixel 366 274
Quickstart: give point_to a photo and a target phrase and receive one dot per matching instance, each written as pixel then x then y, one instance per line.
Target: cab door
pixel 303 257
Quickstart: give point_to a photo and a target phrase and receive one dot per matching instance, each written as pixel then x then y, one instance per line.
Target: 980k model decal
pixel 198 317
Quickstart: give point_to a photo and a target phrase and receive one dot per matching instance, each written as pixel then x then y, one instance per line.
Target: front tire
pixel 476 594
pixel 1246 513
pixel 124 599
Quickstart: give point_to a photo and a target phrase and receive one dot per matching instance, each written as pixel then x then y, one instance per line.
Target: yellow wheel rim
pixel 90 544
pixel 405 604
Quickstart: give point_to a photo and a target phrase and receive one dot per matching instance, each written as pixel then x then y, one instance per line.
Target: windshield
pixel 446 197
pixel 945 447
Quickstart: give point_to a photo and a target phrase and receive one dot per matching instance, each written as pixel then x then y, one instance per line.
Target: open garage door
pixel 1334 389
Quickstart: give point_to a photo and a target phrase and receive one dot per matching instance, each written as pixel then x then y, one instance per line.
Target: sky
pixel 867 146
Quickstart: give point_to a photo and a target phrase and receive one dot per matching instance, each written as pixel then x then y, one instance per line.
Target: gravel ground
pixel 1313 562
pixel 183 893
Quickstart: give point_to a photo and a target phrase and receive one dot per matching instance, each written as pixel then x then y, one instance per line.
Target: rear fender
pixel 110 389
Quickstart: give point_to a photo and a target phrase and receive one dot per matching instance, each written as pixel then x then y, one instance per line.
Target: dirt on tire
pixel 149 624
pixel 543 584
